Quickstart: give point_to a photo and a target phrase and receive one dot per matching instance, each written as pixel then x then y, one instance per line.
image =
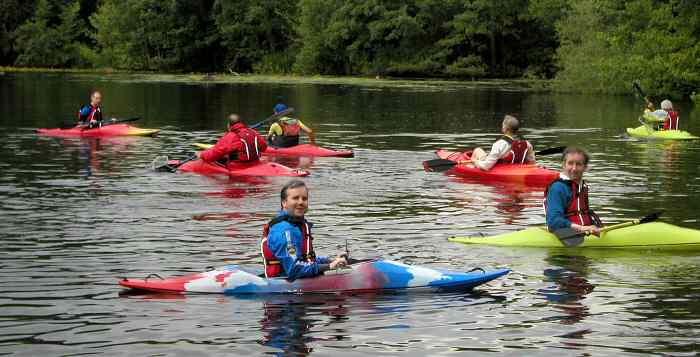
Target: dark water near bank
pixel 76 214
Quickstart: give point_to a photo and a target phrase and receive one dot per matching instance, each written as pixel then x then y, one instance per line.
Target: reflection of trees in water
pixel 571 286
pixel 286 326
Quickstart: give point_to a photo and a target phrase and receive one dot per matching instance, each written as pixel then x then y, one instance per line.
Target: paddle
pixel 71 125
pixel 440 165
pixel 572 238
pixel 162 163
pixel 272 117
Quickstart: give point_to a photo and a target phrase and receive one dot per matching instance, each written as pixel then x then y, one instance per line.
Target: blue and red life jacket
pixel 578 211
pixel 272 265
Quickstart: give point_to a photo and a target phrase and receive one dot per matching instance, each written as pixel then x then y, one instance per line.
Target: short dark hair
pixel 290 185
pixel 576 150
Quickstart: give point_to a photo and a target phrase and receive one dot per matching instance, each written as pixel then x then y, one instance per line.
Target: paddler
pixel 671 120
pixel 509 149
pixel 566 199
pixel 90 115
pixel 285 132
pixel 287 243
pixel 240 144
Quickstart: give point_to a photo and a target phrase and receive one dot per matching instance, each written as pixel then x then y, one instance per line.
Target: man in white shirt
pixel 508 149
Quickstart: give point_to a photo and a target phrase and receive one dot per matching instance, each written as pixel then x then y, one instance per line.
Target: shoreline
pixel 236 78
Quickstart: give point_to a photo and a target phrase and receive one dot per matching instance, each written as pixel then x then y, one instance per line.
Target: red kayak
pixel 104 131
pixel 298 150
pixel 530 175
pixel 259 168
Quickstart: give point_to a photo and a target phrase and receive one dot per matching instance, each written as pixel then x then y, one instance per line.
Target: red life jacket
pixel 671 122
pixel 579 211
pixel 252 144
pixel 272 265
pixel 517 153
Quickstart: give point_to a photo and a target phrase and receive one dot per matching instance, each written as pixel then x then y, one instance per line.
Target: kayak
pixel 104 131
pixel 652 235
pixel 298 150
pixel 644 131
pixel 527 174
pixel 259 168
pixel 375 275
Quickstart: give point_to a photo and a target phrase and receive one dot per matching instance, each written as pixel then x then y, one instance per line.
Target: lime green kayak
pixel 644 131
pixel 653 235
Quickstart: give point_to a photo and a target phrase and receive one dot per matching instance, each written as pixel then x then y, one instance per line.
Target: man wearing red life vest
pixel 509 149
pixel 239 145
pixel 90 115
pixel 287 244
pixel 671 120
pixel 566 199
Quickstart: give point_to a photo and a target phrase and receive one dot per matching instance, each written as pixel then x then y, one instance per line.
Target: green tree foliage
pixel 257 35
pixel 147 34
pixel 48 40
pixel 13 13
pixel 607 44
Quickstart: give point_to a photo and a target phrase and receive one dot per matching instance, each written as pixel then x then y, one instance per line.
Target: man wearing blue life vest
pixel 285 132
pixel 90 115
pixel 509 149
pixel 566 199
pixel 287 244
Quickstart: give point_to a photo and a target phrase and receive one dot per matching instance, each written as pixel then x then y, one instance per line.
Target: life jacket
pixel 95 114
pixel 272 265
pixel 579 211
pixel 517 153
pixel 290 134
pixel 671 122
pixel 252 142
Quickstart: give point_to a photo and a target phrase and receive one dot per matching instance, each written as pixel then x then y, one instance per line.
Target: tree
pixel 47 41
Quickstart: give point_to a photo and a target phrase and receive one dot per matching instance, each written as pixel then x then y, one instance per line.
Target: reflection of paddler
pixel 286 131
pixel 572 286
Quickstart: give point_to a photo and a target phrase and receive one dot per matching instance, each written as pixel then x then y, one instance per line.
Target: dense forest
pixel 588 45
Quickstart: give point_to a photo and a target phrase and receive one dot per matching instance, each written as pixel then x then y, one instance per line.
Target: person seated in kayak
pixel 287 243
pixel 90 115
pixel 285 132
pixel 509 149
pixel 671 120
pixel 239 145
pixel 566 198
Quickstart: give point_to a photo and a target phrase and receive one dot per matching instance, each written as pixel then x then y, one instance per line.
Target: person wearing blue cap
pixel 285 132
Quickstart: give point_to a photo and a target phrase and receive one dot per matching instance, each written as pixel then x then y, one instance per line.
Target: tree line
pixel 587 45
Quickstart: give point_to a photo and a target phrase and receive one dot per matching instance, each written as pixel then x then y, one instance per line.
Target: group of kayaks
pixel 378 274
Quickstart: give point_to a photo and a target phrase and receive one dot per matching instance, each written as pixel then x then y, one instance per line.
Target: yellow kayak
pixel 653 235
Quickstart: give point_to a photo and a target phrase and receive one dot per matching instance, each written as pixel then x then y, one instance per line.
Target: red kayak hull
pixel 307 150
pixel 529 175
pixel 260 168
pixel 105 131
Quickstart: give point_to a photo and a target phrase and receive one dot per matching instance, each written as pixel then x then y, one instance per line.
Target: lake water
pixel 77 214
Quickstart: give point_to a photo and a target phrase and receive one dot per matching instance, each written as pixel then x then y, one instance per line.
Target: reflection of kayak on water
pixel 375 275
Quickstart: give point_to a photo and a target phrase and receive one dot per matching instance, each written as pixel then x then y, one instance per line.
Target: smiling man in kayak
pixel 239 145
pixel 90 115
pixel 566 199
pixel 285 132
pixel 287 244
pixel 509 149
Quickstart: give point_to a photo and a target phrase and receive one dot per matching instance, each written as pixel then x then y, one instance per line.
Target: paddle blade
pixel 160 163
pixel 438 165
pixel 569 237
pixel 551 151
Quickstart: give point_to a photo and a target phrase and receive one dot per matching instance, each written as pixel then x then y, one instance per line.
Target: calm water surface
pixel 77 214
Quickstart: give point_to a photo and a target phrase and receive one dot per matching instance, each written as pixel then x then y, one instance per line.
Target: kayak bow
pixel 376 275
pixel 653 235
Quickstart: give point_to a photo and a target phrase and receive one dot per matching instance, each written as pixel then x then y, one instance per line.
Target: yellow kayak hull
pixel 653 235
pixel 645 132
